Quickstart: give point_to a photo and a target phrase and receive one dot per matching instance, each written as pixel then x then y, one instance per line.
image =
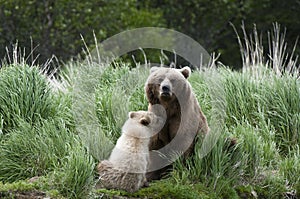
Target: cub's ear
pixel 154 68
pixel 145 120
pixel 131 114
pixel 185 71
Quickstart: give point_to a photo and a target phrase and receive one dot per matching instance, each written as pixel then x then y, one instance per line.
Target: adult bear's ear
pixel 154 68
pixel 185 71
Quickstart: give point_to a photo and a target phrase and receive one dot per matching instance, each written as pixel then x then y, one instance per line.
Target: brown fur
pixel 169 88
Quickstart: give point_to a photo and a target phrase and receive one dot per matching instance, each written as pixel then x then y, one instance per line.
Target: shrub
pixel 37 134
pixel 242 98
pixel 202 92
pixel 75 177
pixel 265 100
pixel 289 167
pixel 282 99
pixel 221 166
pixel 25 94
pixel 104 18
pixel 30 151
pixel 119 91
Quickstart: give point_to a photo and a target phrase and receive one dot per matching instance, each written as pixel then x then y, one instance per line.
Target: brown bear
pixel 170 88
pixel 126 167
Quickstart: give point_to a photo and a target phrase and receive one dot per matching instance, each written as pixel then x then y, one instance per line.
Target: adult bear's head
pixel 165 85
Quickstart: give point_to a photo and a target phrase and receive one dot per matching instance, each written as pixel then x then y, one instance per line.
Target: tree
pixel 208 22
pixel 56 26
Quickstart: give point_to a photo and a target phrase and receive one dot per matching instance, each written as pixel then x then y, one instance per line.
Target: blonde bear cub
pixel 127 165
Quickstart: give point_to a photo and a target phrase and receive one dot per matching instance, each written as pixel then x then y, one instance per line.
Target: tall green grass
pixel 38 137
pixel 60 136
pixel 30 151
pixel 119 90
pixel 289 167
pixel 269 100
pixel 262 113
pixel 75 178
pixel 52 148
pixel 248 101
pixel 24 93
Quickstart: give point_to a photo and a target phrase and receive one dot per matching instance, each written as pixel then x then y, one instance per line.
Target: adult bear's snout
pixel 166 88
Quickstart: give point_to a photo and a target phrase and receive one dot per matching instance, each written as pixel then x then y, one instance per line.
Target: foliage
pixel 40 139
pixel 208 22
pixel 35 24
pixel 40 148
pixel 265 100
pixel 261 144
pixel 119 91
pixel 224 163
pixel 258 106
pixel 24 94
pixel 20 185
pixel 75 177
pixel 291 165
pixel 54 27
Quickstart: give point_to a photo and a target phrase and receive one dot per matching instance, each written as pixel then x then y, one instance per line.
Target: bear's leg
pixel 158 174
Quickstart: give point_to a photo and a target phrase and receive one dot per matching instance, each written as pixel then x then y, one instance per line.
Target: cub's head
pixel 164 84
pixel 142 124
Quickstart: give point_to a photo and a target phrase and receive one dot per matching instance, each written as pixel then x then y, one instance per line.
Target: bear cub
pixel 127 165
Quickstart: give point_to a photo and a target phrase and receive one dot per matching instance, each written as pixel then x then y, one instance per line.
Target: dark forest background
pixel 54 27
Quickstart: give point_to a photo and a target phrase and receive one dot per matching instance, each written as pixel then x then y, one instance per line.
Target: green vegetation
pixel 119 87
pixel 16 83
pixel 266 154
pixel 257 159
pixel 26 95
pixel 36 25
pixel 53 134
pixel 38 137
